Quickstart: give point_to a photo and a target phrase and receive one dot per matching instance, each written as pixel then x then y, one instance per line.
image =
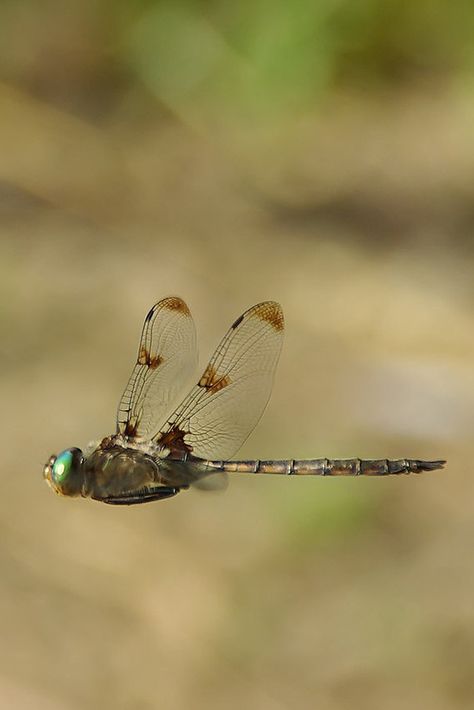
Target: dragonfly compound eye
pixel 66 469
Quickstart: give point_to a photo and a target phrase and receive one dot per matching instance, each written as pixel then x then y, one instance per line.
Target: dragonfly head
pixel 64 472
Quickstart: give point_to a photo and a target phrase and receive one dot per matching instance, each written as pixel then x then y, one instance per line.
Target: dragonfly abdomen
pixel 329 467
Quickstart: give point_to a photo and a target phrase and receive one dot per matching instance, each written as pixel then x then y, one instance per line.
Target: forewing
pixel 219 413
pixel 166 358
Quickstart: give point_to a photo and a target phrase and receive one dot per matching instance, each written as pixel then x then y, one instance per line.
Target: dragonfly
pixel 160 449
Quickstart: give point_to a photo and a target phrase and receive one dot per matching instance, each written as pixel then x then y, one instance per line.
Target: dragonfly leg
pixel 145 496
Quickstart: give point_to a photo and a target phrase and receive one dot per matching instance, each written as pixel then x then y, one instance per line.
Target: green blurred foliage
pixel 270 59
pixel 248 60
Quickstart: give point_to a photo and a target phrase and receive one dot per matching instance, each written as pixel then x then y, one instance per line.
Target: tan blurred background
pixel 317 153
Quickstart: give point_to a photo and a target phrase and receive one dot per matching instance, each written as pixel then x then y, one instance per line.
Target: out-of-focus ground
pixel 319 156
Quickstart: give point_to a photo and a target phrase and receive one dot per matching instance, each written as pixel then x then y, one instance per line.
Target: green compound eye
pixel 65 462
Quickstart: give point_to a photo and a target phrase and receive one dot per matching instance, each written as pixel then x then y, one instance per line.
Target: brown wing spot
pixel 271 313
pixel 173 303
pixel 146 358
pixel 174 441
pixel 212 381
pixel 155 361
pixel 131 429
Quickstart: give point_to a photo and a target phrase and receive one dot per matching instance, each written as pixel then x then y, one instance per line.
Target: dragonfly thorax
pixel 117 467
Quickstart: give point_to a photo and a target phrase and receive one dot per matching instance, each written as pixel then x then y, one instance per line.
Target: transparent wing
pixel 166 358
pixel 219 413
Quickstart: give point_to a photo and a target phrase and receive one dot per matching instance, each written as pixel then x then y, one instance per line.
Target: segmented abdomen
pixel 329 467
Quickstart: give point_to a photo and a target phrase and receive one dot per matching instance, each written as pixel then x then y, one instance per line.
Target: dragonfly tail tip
pixel 431 465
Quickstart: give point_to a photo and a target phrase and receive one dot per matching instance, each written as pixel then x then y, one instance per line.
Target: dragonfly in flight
pixel 160 449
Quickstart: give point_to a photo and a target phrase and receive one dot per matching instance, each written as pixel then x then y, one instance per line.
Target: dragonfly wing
pixel 167 357
pixel 222 409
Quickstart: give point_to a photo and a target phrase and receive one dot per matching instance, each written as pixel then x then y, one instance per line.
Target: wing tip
pixel 271 312
pixel 175 303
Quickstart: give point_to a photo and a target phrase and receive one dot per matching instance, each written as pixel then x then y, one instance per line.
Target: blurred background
pixel 317 153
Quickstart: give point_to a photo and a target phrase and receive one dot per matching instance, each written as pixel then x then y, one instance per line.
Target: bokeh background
pixel 317 153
